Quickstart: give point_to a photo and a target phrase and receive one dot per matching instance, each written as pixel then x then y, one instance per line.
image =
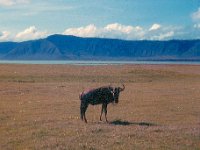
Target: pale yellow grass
pixel 159 109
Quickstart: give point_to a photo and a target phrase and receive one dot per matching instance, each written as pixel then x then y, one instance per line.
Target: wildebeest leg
pixel 104 109
pixel 83 109
pixel 101 112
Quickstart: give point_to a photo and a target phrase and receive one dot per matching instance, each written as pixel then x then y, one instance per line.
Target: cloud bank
pixel 116 30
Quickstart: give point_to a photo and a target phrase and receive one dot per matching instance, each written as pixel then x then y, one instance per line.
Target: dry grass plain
pixel 159 109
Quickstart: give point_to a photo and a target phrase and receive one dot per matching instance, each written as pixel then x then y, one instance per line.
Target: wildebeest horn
pixel 122 89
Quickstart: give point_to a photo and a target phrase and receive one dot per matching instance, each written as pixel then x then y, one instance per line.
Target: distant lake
pixel 93 63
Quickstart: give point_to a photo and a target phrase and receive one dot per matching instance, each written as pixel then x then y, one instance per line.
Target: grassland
pixel 159 109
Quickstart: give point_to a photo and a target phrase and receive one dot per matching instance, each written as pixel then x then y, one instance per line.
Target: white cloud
pixel 117 30
pixel 196 15
pixel 197 26
pixel 120 28
pixel 6 2
pixel 12 2
pixel 30 33
pixel 4 36
pixel 163 36
pixel 155 27
pixel 88 31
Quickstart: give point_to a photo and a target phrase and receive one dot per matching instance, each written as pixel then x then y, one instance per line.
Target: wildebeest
pixel 103 95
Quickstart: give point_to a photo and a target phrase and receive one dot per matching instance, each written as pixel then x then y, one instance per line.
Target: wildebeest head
pixel 117 90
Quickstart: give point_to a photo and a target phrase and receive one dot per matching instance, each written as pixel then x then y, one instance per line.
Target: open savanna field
pixel 159 108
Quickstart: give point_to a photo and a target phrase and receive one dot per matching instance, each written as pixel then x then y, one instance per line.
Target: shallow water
pixel 93 63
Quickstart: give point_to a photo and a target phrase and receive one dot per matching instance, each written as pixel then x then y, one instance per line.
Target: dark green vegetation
pixel 159 109
pixel 70 47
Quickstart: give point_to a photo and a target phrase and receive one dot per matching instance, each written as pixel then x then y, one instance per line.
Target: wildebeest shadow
pixel 126 123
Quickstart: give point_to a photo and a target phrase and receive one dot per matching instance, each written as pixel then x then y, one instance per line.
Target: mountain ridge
pixel 68 47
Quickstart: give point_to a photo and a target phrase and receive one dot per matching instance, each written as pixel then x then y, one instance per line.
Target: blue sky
pixel 124 19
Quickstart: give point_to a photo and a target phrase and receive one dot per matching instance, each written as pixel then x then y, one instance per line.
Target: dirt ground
pixel 159 108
